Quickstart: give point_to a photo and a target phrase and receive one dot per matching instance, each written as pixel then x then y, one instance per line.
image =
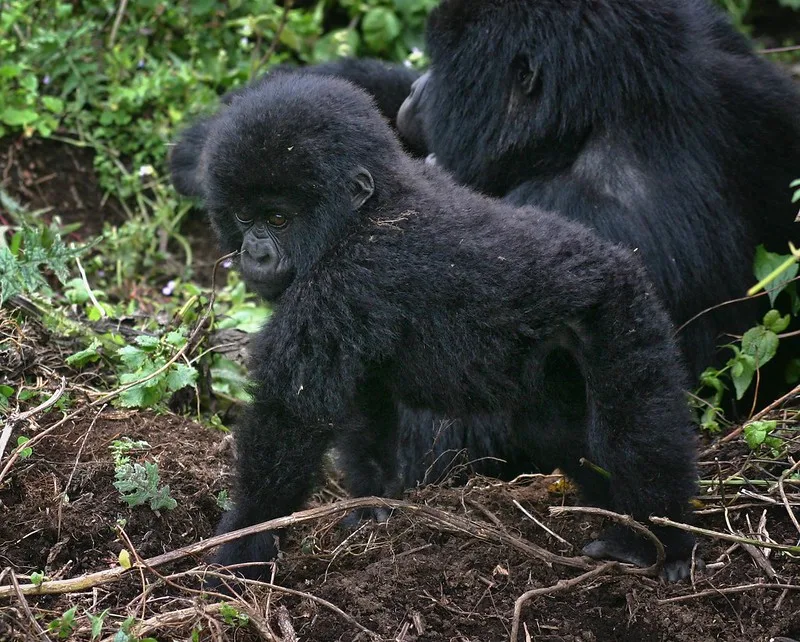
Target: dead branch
pixel 436 517
pixel 727 590
pixel 663 521
pixel 558 587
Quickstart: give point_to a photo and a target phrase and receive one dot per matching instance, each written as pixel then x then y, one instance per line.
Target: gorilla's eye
pixel 243 221
pixel 277 220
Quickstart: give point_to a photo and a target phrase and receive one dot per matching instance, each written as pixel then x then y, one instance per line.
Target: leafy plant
pixel 64 626
pixel 147 356
pixel 6 393
pixel 27 451
pixel 758 345
pixel 96 622
pixel 138 483
pixel 233 616
pixel 125 632
pixel 120 449
pixel 31 253
pixel 761 433
pixel 223 500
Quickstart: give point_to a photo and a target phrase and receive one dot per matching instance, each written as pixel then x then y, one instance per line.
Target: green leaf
pixel 97 623
pixel 232 616
pixel 761 344
pixel 176 338
pixel 336 44
pixel 180 375
pixel 141 396
pixel 124 558
pixel 37 577
pixel 764 263
pixel 87 355
pixel 10 71
pixel 742 370
pixel 53 104
pixel 138 484
pixel 380 27
pixel 756 433
pixel 18 117
pixel 25 452
pixel 147 343
pixel 132 357
pixel 775 322
pixel 64 625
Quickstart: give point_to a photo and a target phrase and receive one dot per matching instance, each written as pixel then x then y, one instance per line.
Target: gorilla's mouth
pixel 269 285
pixel 267 290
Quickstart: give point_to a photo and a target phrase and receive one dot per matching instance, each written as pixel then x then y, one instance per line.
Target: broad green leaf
pixel 764 263
pixel 761 344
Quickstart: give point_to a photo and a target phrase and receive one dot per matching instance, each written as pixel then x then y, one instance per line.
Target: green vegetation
pixel 759 345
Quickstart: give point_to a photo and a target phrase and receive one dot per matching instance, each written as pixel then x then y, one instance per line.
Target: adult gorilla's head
pixel 272 205
pixel 519 81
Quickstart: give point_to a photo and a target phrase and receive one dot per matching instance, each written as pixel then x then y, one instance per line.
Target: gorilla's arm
pixel 310 370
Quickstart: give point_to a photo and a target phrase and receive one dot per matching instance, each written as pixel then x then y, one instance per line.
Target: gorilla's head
pixel 285 168
pixel 516 84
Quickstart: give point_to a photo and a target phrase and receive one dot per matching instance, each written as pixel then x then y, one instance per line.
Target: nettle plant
pixel 759 345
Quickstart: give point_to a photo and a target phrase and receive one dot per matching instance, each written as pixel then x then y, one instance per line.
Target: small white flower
pixel 146 170
pixel 168 289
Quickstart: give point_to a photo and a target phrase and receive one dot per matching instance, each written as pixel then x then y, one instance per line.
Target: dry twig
pixel 561 585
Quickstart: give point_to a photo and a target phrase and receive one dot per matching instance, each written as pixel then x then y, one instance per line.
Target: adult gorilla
pixel 650 120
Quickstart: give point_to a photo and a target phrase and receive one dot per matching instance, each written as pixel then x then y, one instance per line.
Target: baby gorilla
pixel 393 284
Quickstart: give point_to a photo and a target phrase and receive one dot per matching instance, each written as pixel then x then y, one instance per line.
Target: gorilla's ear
pixel 362 187
pixel 526 74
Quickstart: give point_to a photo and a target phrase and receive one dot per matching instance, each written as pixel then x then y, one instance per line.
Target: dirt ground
pixel 410 579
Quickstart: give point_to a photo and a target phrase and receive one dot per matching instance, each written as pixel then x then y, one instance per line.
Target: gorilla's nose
pixel 258 249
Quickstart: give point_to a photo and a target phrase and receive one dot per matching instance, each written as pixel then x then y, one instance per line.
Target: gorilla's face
pixel 280 236
pixel 263 260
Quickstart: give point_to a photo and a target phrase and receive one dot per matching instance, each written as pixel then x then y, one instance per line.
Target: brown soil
pixel 405 580
pixel 402 576
pixel 58 178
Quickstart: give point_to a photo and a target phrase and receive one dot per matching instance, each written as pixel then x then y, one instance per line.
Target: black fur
pixel 389 84
pixel 409 289
pixel 652 121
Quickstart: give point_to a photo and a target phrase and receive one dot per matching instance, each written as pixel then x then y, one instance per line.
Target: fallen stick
pixel 456 523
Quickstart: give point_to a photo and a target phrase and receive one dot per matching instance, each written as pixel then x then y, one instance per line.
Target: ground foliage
pixel 121 344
